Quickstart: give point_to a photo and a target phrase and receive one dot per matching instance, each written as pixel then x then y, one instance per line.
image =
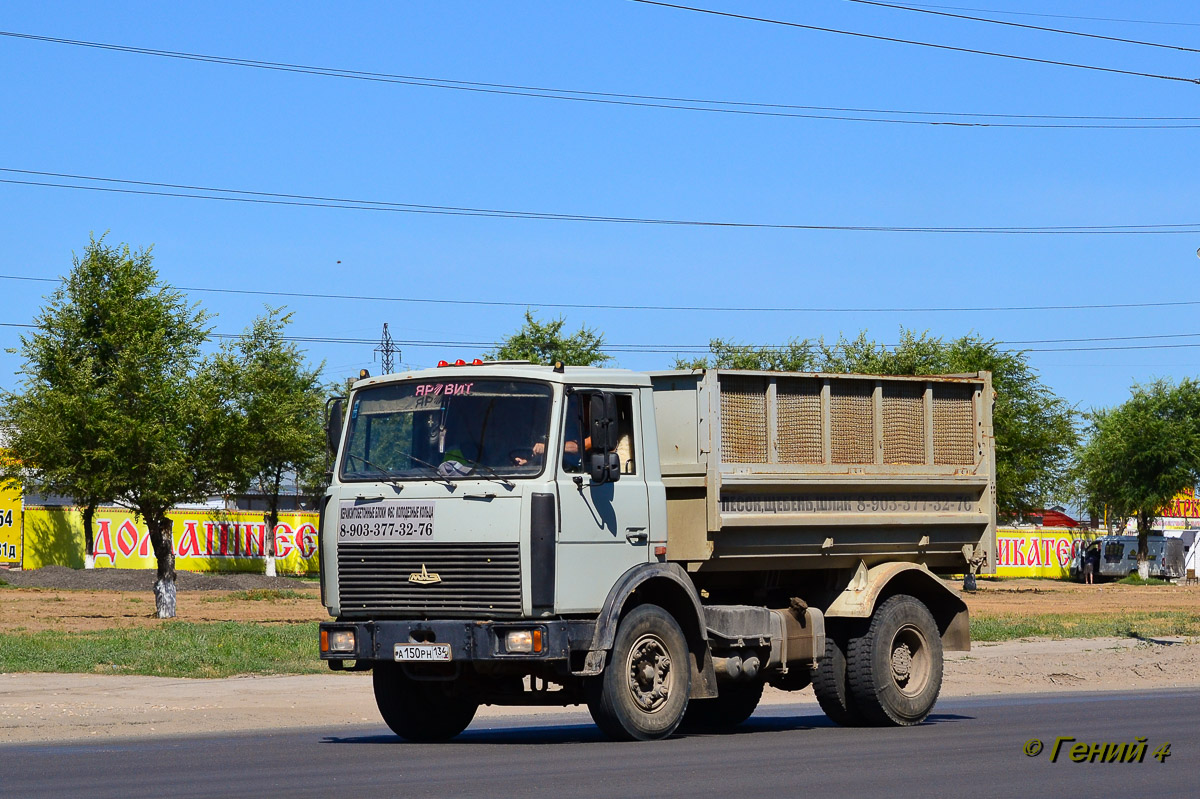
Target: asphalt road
pixel 969 748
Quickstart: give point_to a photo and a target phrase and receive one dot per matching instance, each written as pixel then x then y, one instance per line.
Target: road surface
pixel 971 747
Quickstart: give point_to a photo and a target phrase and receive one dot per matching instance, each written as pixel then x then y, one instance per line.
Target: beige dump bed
pixel 774 470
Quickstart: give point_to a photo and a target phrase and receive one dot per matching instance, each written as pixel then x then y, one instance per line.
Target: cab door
pixel 603 529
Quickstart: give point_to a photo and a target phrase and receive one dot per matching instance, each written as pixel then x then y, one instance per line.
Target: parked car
pixel 1115 556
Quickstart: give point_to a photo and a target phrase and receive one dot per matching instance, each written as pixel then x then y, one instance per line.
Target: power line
pixel 1062 16
pixel 781 110
pixel 683 308
pixel 921 10
pixel 700 349
pixel 933 45
pixel 310 201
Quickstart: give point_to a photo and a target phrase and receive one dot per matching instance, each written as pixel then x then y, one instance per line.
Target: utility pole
pixel 385 349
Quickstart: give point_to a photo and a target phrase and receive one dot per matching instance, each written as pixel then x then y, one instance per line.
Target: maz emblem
pixel 424 577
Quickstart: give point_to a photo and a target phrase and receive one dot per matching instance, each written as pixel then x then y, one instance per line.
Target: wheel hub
pixel 910 661
pixel 901 663
pixel 650 673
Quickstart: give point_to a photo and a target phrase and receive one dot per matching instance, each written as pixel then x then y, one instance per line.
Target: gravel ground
pixel 142 580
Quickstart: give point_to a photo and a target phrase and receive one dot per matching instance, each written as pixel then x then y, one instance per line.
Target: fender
pixel 869 585
pixel 667 585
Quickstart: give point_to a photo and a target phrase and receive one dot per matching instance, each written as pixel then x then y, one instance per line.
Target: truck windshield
pixel 450 429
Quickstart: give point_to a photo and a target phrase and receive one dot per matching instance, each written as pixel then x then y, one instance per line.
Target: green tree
pixel 277 402
pixel 56 422
pixel 1035 428
pixel 795 356
pixel 1139 455
pixel 157 418
pixel 544 343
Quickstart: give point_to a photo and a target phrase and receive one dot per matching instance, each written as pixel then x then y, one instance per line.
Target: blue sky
pixel 84 111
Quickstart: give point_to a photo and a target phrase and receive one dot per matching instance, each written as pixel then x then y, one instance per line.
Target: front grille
pixel 477 580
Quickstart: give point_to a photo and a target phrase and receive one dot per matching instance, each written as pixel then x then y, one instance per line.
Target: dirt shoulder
pixel 67 707
pixel 71 600
pixel 1023 597
pixel 74 600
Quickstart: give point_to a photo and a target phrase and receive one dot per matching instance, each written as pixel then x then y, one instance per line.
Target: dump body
pixel 784 471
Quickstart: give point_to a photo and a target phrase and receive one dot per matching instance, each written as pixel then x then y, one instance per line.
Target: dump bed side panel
pixel 790 470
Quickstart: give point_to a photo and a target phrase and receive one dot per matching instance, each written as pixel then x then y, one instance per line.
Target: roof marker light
pixel 442 363
pixel 460 362
pixel 477 362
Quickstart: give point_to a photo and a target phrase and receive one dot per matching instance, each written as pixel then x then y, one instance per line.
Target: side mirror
pixel 333 423
pixel 604 421
pixel 604 464
pixel 604 467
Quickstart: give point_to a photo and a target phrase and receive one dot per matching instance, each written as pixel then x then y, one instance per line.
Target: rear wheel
pixel 895 668
pixel 421 711
pixel 734 703
pixel 829 680
pixel 643 692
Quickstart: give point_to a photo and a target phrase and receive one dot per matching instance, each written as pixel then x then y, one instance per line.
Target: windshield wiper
pixel 432 469
pixel 387 474
pixel 495 476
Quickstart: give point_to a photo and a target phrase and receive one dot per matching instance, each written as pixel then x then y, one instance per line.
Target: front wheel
pixel 420 711
pixel 643 692
pixel 895 668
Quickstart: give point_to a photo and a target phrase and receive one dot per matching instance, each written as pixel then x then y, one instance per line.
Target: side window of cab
pixel 576 443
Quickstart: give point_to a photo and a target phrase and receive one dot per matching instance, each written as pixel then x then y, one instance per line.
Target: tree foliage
pixel 1140 454
pixel 277 408
pixel 115 367
pixel 1034 428
pixel 544 343
pixel 56 423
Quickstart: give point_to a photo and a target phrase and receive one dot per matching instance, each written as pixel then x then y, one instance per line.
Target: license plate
pixel 422 653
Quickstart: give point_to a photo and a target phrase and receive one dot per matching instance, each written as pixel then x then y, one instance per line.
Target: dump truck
pixel 656 546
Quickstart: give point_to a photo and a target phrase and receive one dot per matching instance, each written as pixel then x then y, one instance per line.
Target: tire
pixel 420 711
pixel 643 692
pixel 734 703
pixel 895 667
pixel 830 684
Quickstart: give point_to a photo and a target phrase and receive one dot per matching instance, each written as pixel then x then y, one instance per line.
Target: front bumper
pixel 470 641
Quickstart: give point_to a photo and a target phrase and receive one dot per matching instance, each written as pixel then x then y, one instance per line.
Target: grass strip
pixel 174 649
pixel 260 595
pixel 1006 627
pixel 1135 579
pixel 225 649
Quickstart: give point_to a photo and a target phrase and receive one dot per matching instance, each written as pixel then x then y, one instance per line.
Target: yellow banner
pixel 1183 506
pixel 10 526
pixel 203 541
pixel 1038 551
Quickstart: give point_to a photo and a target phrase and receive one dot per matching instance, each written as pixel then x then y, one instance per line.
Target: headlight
pixel 518 641
pixel 338 641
